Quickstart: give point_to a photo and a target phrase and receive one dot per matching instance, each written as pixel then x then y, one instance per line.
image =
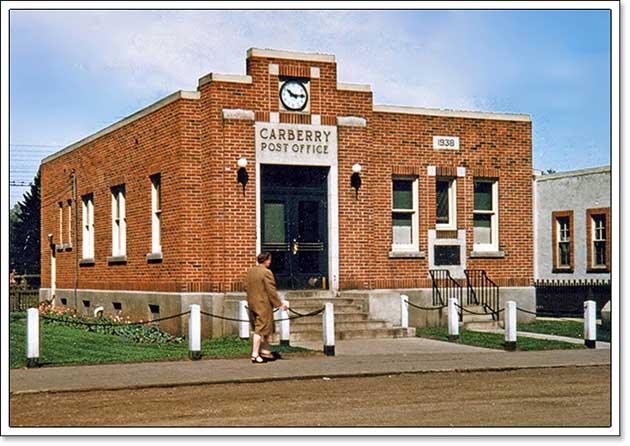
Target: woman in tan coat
pixel 262 297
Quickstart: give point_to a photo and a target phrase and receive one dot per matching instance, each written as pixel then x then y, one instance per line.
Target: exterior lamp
pixel 242 176
pixel 355 179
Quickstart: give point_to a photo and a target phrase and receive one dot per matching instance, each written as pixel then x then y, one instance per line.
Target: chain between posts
pixel 113 324
pixel 425 308
pixel 299 315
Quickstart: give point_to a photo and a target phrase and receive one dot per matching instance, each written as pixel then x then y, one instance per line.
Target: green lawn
pixel 571 329
pixel 493 340
pixel 65 345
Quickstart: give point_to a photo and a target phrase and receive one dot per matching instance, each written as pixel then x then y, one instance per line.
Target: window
pixel 156 213
pixel 87 211
pixel 60 224
pixel 446 255
pixel 562 227
pixel 598 243
pixel 445 203
pixel 405 214
pixel 119 223
pixel 70 222
pixel 485 215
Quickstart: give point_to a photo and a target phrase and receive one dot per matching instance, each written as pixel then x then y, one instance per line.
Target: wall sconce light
pixel 355 179
pixel 242 177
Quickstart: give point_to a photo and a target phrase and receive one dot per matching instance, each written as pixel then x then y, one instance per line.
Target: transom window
pixel 485 215
pixel 405 214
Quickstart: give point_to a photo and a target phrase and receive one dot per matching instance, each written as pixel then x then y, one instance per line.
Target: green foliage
pixel 24 231
pixel 571 329
pixel 494 340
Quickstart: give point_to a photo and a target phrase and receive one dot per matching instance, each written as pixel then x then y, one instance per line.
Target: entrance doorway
pixel 295 224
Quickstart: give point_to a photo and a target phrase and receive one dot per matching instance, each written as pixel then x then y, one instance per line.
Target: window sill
pixel 86 262
pixel 487 254
pixel 562 270
pixel 117 259
pixel 406 255
pixel 67 246
pixel 154 256
pixel 602 270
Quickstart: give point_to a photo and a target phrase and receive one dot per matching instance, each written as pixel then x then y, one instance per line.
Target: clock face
pixel 293 95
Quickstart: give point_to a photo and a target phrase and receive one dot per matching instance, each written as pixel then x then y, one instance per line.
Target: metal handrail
pixel 481 290
pixel 445 287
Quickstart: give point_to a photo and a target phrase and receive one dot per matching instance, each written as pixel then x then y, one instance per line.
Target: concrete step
pixel 488 325
pixel 476 318
pixel 301 301
pixel 313 335
pixel 340 326
pixel 339 317
pixel 293 294
pixel 339 308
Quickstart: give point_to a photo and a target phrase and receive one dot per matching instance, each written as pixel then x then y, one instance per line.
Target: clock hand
pixel 295 95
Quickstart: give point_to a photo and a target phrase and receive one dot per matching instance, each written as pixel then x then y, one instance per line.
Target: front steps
pixel 351 318
pixel 477 321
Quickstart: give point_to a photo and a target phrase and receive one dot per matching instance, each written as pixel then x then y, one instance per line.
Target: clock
pixel 293 95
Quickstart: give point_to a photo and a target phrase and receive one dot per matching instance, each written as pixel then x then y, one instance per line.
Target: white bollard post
pixel 453 320
pixel 328 320
pixel 509 321
pixel 32 337
pixel 590 325
pixel 194 332
pixel 404 311
pixel 243 326
pixel 285 328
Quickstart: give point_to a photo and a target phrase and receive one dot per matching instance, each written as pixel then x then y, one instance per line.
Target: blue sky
pixel 75 72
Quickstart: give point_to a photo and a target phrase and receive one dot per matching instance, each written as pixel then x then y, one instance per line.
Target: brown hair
pixel 263 256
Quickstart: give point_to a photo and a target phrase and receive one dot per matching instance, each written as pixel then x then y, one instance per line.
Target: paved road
pixel 565 396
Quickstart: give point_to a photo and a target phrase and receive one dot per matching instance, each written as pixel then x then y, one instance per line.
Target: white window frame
pixel 87 211
pixel 452 204
pixel 595 239
pixel 119 221
pixel 60 223
pixel 414 246
pixel 156 213
pixel 70 222
pixel 494 217
pixel 560 239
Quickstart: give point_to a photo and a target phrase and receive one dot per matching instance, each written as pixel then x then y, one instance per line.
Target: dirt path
pixel 568 396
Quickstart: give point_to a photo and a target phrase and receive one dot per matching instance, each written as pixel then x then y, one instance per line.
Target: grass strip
pixel 62 345
pixel 571 329
pixel 494 340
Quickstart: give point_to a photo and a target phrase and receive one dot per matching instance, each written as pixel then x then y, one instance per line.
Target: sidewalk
pixel 354 358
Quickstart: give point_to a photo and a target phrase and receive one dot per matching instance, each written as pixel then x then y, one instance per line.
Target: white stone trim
pixel 237 113
pixel 274 117
pixel 461 171
pixel 451 113
pixel 366 88
pixel 274 68
pixel 294 55
pixel 316 120
pixel 573 173
pixel 431 171
pixel 235 78
pixel 351 121
pixel 314 72
pixel 127 120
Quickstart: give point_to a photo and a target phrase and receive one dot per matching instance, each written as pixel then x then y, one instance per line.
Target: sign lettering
pixel 296 144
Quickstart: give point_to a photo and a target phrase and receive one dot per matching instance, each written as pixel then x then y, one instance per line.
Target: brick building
pixel 170 205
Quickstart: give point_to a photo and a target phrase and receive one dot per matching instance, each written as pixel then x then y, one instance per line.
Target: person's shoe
pixel 258 360
pixel 272 356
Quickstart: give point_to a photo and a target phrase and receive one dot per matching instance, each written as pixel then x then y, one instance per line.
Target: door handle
pixel 294 248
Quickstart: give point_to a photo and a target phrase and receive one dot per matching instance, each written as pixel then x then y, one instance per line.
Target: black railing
pixel 565 298
pixel 445 287
pixel 481 290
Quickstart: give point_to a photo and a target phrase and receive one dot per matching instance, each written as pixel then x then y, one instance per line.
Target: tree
pixel 24 231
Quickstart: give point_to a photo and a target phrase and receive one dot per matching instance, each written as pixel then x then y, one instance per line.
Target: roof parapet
pixel 218 77
pixel 292 55
pixel 451 113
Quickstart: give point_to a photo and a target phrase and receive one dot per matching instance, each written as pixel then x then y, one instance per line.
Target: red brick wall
pixel 209 225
